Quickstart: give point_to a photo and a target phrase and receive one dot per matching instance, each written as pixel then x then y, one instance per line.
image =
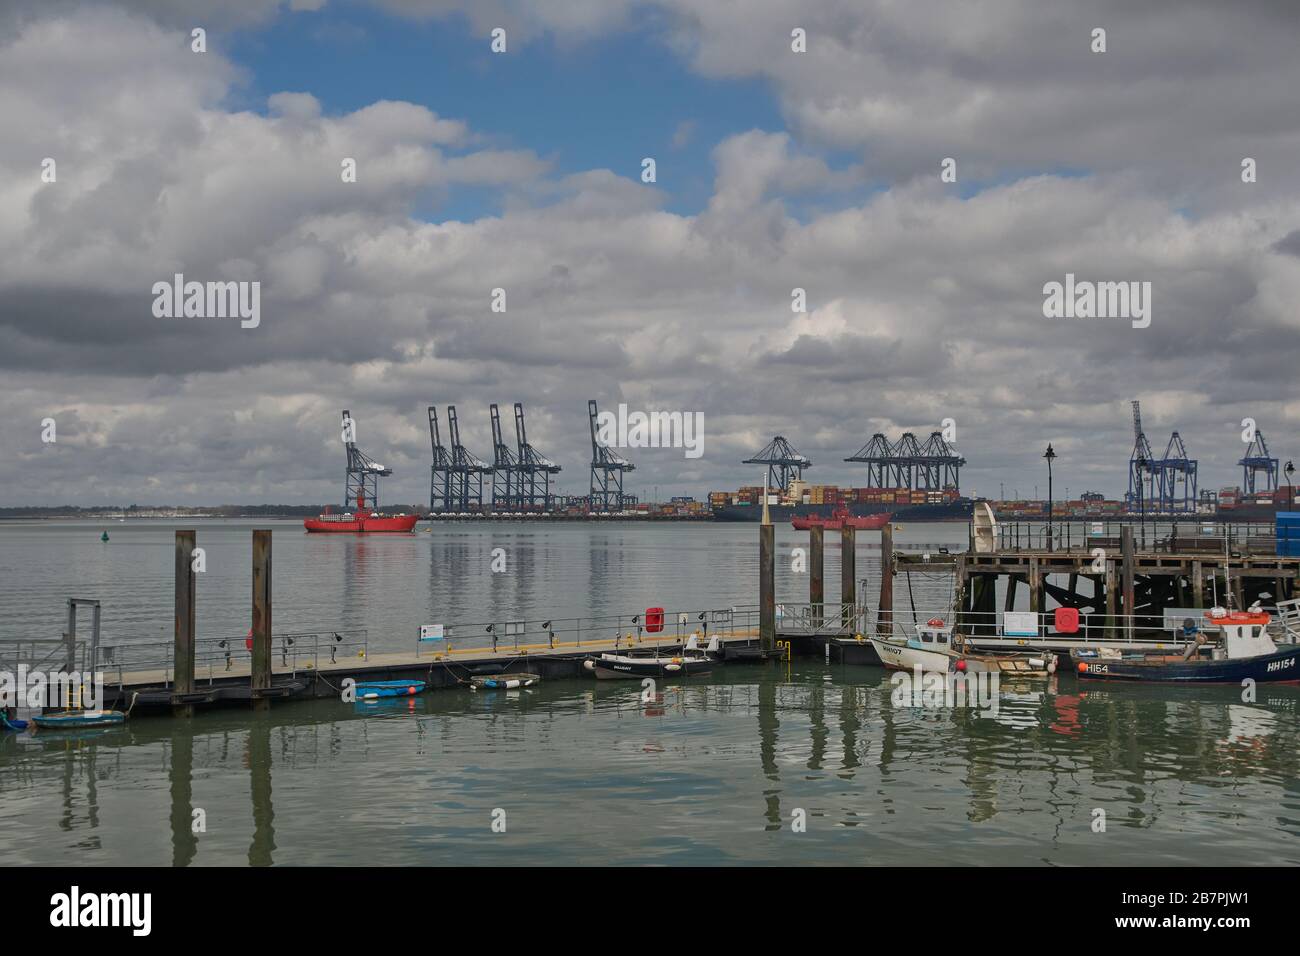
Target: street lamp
pixel 1050 455
pixel 1290 492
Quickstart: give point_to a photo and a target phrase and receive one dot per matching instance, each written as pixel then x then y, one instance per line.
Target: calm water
pixel 713 771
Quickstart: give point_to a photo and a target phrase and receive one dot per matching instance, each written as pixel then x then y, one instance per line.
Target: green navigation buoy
pixel 104 536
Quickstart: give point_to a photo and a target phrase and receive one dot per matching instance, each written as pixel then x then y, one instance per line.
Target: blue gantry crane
pixel 1142 468
pixel 1256 462
pixel 607 470
pixel 783 464
pixel 907 463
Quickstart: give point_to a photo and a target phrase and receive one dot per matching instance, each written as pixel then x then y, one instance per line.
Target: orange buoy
pixel 1083 668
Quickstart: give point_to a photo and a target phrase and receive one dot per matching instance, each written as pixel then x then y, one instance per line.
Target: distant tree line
pixel 216 511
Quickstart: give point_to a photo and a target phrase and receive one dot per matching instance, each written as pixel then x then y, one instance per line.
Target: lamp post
pixel 1289 470
pixel 1050 455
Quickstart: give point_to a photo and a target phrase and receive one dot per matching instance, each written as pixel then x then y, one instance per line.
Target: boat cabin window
pixel 927 637
pixel 934 637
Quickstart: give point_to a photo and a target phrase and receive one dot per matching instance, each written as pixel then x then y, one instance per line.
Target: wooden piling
pixel 849 577
pixel 261 670
pixel 885 616
pixel 183 652
pixel 767 588
pixel 816 572
pixel 1126 552
pixel 1111 600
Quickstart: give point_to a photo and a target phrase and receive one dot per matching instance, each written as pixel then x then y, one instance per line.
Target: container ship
pixel 801 500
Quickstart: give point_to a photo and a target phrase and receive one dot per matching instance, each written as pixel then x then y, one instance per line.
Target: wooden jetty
pixel 1119 593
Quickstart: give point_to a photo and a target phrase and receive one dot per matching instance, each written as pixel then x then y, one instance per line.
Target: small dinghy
pixel 377 689
pixel 78 719
pixel 14 724
pixel 1242 650
pixel 503 681
pixel 936 650
pixel 690 662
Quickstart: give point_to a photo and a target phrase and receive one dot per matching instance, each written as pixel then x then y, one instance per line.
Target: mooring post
pixel 70 639
pixel 261 672
pixel 183 649
pixel 816 573
pixel 1035 587
pixel 1111 609
pixel 849 578
pixel 1126 552
pixel 766 586
pixel 885 614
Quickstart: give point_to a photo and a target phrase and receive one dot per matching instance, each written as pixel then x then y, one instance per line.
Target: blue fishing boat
pixel 376 689
pixel 78 719
pixel 13 724
pixel 1243 651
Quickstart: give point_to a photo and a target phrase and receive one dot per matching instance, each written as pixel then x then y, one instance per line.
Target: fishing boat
pixel 690 661
pixel 13 723
pixel 503 681
pixel 840 518
pixel 935 649
pixel 1241 650
pixel 78 719
pixel 376 689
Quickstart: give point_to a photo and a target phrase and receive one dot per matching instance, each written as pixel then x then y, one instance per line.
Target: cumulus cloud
pixel 924 298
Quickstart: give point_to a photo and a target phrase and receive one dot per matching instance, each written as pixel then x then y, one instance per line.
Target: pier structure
pixel 1116 590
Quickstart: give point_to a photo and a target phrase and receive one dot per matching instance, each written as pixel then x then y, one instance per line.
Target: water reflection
pixel 699 770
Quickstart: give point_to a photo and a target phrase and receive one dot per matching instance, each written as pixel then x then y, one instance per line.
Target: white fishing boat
pixel 690 661
pixel 936 649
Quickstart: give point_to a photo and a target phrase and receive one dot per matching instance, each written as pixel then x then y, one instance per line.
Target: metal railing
pixel 218 657
pixel 830 618
pixel 1029 627
pixel 1188 534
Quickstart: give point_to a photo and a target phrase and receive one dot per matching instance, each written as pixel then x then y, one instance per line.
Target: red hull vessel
pixel 840 518
pixel 361 521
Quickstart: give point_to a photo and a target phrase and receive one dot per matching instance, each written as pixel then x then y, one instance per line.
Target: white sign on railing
pixel 1098 529
pixel 1020 624
pixel 514 628
pixel 431 632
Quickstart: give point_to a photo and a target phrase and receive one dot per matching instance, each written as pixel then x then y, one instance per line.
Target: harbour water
pixel 715 770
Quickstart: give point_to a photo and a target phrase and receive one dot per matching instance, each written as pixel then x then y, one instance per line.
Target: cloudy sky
pixel 522 170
